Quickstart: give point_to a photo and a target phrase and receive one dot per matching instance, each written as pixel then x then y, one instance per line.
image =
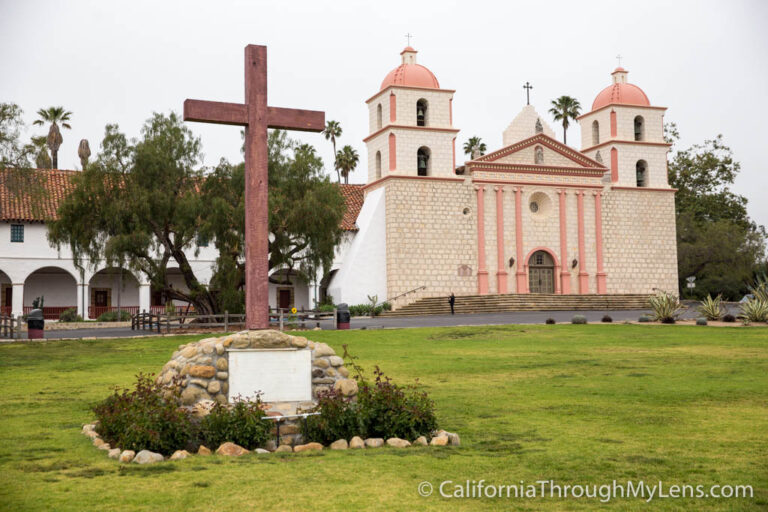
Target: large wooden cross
pixel 256 116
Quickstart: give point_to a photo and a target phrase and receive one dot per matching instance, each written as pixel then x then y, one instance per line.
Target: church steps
pixel 522 302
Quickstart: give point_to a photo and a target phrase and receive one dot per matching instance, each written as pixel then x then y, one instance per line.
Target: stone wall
pixel 202 368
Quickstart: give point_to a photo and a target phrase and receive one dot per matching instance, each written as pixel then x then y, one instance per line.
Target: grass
pixel 576 404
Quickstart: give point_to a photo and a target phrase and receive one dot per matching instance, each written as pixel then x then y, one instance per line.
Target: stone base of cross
pixel 256 117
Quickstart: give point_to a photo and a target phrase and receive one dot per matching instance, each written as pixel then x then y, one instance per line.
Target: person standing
pixel 452 301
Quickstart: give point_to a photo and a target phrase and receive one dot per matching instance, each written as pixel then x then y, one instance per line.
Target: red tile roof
pixel 19 204
pixel 353 195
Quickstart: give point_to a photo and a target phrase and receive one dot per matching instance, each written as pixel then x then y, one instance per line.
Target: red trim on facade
pixel 482 273
pixel 614 165
pixel 601 284
pixel 610 105
pixel 583 275
pixel 539 169
pixel 622 141
pixel 646 189
pixel 392 152
pixel 520 277
pixel 565 276
pixel 537 183
pixel 392 108
pixel 614 127
pixel 547 141
pixel 406 127
pixel 410 87
pixel 501 273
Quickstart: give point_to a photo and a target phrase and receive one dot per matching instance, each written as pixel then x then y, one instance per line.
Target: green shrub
pixel 383 409
pixel 386 306
pixel 666 307
pixel 241 423
pixel 145 418
pixel 70 315
pixel 710 308
pixel 754 310
pixel 701 321
pixel 326 308
pixel 607 319
pixel 729 318
pixel 579 319
pixel 338 419
pixel 550 321
pixel 111 316
pixel 760 288
pixel 644 318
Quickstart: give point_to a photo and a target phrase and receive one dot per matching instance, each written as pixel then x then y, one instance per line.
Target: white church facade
pixel 535 216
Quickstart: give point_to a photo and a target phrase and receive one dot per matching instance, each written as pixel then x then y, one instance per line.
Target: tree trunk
pixel 565 131
pixel 55 159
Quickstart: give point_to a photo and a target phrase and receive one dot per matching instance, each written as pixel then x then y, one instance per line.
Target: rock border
pixel 438 438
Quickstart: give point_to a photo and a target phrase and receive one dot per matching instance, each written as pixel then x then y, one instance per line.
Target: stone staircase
pixel 521 302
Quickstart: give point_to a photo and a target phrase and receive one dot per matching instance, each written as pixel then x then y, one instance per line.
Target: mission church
pixel 533 217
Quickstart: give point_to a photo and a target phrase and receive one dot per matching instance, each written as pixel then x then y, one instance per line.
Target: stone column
pixel 482 272
pixel 17 299
pixel 583 275
pixel 501 273
pixel 565 275
pixel 82 293
pixel 520 276
pixel 601 285
pixel 145 299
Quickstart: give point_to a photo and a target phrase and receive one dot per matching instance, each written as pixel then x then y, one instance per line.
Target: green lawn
pixel 576 404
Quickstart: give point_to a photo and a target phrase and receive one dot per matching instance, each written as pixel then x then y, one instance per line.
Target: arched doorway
pixel 111 289
pixel 541 273
pixel 57 288
pixel 6 294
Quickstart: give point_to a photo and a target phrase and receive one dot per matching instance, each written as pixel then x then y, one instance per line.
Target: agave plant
pixel 760 288
pixel 754 310
pixel 666 307
pixel 712 309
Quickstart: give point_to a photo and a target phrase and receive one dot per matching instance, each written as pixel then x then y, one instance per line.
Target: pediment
pixel 539 150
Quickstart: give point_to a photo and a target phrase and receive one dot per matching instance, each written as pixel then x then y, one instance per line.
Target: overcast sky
pixel 117 62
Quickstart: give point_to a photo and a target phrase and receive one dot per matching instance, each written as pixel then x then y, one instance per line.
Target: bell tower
pixel 625 133
pixel 411 129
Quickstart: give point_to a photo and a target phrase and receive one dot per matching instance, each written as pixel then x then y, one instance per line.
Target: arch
pixel 641 173
pixel 378 165
pixel 423 164
pixel 422 112
pixel 111 287
pixel 548 277
pixel 6 294
pixel 595 133
pixel 378 116
pixel 57 285
pixel 639 128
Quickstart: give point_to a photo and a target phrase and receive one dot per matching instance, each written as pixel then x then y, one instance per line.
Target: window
pixel 202 241
pixel 17 233
pixel 639 128
pixel 539 258
pixel 641 169
pixel 534 206
pixel 378 165
pixel 421 112
pixel 595 133
pixel 422 161
pixel 378 117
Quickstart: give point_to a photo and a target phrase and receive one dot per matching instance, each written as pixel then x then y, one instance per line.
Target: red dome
pixel 621 92
pixel 410 74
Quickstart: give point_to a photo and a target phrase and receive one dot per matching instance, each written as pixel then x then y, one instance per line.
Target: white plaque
pixel 280 375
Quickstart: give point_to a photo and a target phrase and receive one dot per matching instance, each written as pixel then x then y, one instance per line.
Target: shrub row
pixel 365 309
pixel 383 409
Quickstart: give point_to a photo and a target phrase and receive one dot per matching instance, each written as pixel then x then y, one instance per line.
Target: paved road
pixel 520 317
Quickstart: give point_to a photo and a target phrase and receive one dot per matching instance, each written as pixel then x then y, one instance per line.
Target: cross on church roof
pixel 409 36
pixel 618 58
pixel 527 88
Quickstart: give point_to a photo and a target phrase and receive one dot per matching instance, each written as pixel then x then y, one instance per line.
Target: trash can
pixel 35 324
pixel 342 316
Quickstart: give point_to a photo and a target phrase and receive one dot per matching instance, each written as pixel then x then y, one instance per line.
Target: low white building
pixel 30 267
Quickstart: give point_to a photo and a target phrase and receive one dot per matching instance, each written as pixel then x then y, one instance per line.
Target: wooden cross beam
pixel 257 117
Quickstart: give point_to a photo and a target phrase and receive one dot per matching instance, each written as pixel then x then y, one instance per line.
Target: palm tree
pixel 333 130
pixel 346 161
pixel 564 109
pixel 40 147
pixel 54 115
pixel 473 146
